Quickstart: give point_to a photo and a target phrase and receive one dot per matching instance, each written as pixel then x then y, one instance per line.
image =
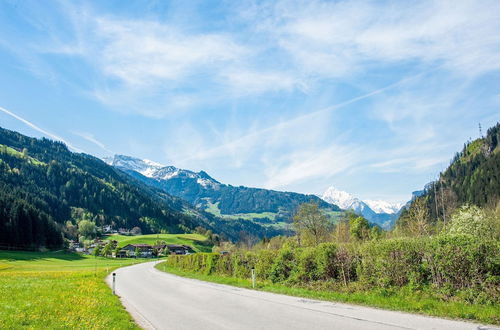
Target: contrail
pixel 41 130
pixel 89 137
pixel 304 116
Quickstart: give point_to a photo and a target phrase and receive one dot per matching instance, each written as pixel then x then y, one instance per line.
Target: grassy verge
pixel 196 241
pixel 405 299
pixel 57 290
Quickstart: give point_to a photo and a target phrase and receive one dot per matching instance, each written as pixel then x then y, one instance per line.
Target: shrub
pixel 327 263
pixel 347 261
pixel 283 265
pixel 264 264
pixel 393 262
pixel 307 267
pixel 463 261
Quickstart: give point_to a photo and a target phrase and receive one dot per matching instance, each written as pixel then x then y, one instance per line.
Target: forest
pixel 45 190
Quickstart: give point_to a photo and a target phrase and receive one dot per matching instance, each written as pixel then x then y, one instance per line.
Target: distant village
pixel 110 248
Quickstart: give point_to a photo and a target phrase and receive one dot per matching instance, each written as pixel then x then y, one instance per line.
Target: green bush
pixel 327 263
pixel 460 266
pixel 224 266
pixel 463 261
pixel 264 263
pixel 306 267
pixel 283 265
pixel 393 262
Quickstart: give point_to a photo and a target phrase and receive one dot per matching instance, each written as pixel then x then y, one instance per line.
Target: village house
pixel 146 250
pixel 179 249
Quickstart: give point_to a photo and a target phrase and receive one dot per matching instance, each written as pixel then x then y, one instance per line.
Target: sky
pixel 372 97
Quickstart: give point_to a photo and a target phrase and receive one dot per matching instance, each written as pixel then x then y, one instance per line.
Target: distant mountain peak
pixel 342 199
pixel 157 171
pixel 381 212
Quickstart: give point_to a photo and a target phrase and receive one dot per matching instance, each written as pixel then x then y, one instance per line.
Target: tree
pixel 87 229
pixel 97 251
pixel 342 232
pixel 375 233
pixel 136 231
pixel 108 249
pixel 310 223
pixel 417 222
pixel 359 228
pixel 117 249
pixel 137 252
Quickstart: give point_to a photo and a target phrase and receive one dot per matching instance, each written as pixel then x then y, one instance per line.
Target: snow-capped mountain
pixel 380 206
pixel 343 199
pixel 158 171
pixel 377 211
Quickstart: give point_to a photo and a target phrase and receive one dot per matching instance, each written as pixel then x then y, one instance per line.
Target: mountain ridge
pixel 205 192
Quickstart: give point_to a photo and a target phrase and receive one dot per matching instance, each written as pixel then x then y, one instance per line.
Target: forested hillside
pixel 472 178
pixel 45 190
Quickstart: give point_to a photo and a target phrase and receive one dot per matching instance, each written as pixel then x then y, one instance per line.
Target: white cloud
pixel 337 39
pixel 143 52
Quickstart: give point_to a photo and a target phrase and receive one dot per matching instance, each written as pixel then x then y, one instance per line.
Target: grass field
pixel 404 299
pixel 58 290
pixel 194 240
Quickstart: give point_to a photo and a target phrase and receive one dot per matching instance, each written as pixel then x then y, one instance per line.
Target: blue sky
pixel 373 97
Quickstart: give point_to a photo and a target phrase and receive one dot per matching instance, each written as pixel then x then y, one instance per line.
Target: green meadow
pixel 59 290
pixel 196 241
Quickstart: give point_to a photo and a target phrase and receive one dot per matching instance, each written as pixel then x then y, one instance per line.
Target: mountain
pixel 269 208
pixel 380 206
pixel 45 190
pixel 473 177
pixel 378 212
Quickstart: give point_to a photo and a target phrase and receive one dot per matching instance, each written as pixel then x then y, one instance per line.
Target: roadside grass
pixel 196 241
pixel 59 290
pixel 406 300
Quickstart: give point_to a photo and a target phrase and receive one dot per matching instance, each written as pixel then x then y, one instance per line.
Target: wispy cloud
pixel 90 137
pixel 40 130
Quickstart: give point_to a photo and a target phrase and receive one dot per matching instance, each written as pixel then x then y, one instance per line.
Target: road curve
pixel 160 300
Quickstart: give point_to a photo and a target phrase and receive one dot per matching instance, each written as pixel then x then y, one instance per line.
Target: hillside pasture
pixel 197 242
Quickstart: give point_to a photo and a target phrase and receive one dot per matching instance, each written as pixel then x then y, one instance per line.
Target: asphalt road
pixel 159 300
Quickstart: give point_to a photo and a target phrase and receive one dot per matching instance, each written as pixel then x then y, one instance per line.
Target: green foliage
pixel 283 265
pixel 311 224
pixel 458 262
pixel 97 251
pixel 108 249
pixel 87 229
pixel 359 228
pixel 395 262
pixel 326 258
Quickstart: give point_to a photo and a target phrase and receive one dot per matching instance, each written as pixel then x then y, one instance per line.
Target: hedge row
pixel 450 263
